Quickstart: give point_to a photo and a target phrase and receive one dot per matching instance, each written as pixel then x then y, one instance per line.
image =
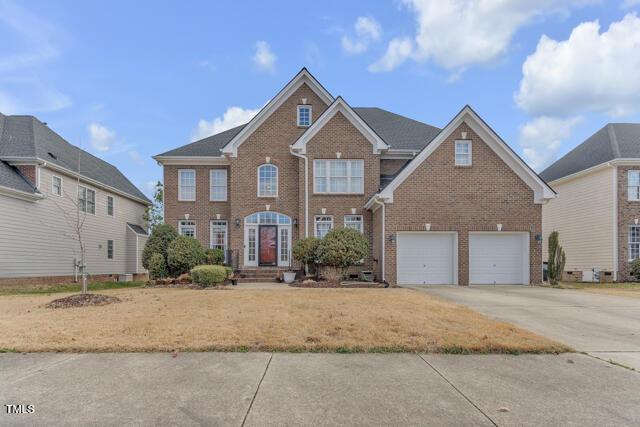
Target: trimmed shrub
pixel 214 256
pixel 157 267
pixel 209 275
pixel 305 251
pixel 635 269
pixel 342 247
pixel 158 243
pixel 183 254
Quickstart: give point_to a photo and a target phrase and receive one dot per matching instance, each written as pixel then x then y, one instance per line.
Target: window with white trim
pixel 56 186
pixel 338 176
pixel 634 242
pixel 187 228
pixel 109 205
pixel 86 200
pixel 304 115
pixel 218 185
pixel 633 185
pixel 323 224
pixel 218 235
pixel 353 221
pixel 463 153
pixel 109 249
pixel 284 244
pixel 267 181
pixel 186 185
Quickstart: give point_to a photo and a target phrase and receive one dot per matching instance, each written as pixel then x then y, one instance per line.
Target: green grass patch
pixel 70 287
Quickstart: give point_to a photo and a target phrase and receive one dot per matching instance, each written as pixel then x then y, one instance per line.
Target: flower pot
pixel 289 276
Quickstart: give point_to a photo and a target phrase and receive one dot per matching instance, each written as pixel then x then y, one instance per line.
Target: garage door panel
pixel 499 258
pixel 425 258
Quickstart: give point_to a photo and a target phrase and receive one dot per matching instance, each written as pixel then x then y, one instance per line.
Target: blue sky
pixel 127 80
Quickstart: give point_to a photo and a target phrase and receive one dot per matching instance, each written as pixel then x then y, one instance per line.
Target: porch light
pixel 499 227
pixel 295 222
pixel 635 221
pixel 427 227
pixel 237 222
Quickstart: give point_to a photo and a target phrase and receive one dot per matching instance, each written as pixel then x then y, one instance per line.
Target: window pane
pixel 357 185
pixel 338 185
pixel 320 168
pixel 357 168
pixel 338 168
pixel 267 180
pixel 353 221
pixel 634 178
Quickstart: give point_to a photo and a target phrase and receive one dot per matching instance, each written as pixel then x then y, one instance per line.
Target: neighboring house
pixel 39 193
pixel 597 211
pixel 450 206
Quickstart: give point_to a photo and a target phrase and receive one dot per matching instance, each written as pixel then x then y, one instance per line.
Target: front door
pixel 268 247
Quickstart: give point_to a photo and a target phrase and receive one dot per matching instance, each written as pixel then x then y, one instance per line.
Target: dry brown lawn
pixel 346 320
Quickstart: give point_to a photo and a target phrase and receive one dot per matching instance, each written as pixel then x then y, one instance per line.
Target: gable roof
pixel 399 132
pixel 137 229
pixel 467 115
pixel 303 77
pixel 340 106
pixel 613 141
pixel 28 139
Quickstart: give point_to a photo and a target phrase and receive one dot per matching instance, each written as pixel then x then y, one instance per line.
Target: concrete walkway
pixel 317 389
pixel 604 326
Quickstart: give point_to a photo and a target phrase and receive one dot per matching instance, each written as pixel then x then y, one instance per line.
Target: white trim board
pixel 542 191
pixel 303 77
pixel 340 106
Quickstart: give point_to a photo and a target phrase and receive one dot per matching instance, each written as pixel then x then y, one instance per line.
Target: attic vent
pixel 52 155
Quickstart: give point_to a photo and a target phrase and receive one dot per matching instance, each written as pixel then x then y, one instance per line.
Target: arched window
pixel 267 181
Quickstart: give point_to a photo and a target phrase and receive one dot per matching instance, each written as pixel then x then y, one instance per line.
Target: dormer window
pixel 304 115
pixel 463 153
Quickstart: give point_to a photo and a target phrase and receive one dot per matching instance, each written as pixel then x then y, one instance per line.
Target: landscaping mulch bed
pixel 309 283
pixel 82 300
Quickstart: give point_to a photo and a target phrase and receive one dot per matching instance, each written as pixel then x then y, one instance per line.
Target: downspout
pixel 306 190
pixel 382 257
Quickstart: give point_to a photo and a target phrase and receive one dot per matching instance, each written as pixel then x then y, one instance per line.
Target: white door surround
pixel 499 258
pixel 252 238
pixel 427 257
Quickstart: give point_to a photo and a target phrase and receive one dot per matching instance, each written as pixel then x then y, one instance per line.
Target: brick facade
pixel 628 212
pixel 464 199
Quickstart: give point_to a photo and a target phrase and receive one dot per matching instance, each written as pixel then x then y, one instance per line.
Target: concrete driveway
pixel 256 389
pixel 604 326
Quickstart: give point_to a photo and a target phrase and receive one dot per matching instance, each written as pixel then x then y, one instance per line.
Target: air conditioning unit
pixel 125 277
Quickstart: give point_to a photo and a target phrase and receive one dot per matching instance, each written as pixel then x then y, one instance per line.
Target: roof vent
pixel 52 155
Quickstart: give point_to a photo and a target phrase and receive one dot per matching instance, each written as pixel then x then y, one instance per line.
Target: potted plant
pixel 289 276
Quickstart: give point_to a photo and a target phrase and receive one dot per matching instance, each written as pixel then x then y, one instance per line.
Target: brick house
pixel 597 212
pixel 448 206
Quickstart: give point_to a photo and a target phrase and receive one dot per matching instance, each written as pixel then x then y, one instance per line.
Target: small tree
pixel 161 236
pixel 183 254
pixel 157 267
pixel 557 259
pixel 341 248
pixel 635 269
pixel 153 214
pixel 305 251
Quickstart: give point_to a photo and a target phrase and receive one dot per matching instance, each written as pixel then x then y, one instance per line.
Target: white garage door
pixel 426 258
pixel 498 258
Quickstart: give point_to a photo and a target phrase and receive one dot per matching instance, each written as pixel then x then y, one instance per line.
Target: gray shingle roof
pixel 398 131
pixel 26 136
pixel 11 178
pixel 138 229
pixel 614 141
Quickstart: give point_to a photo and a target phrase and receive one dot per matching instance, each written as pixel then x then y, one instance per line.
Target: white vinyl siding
pixel 338 176
pixel 633 185
pixel 323 224
pixel 218 185
pixel 35 238
pixel 584 215
pixel 186 185
pixel 268 181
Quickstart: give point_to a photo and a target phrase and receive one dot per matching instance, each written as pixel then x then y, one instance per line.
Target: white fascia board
pixel 17 160
pixel 191 160
pixel 301 78
pixel 11 192
pixel 340 106
pixel 594 168
pixel 542 191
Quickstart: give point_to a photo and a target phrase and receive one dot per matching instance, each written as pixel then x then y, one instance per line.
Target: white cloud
pixel 263 57
pixel 101 137
pixel 367 30
pixel 136 157
pixel 32 44
pixel 590 71
pixel 397 52
pixel 234 116
pixel 542 138
pixel 630 4
pixel 456 34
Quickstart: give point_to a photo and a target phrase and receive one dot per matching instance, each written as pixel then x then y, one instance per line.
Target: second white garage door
pixel 498 258
pixel 427 258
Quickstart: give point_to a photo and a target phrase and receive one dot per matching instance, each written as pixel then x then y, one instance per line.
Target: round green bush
pixel 305 251
pixel 342 247
pixel 183 254
pixel 157 267
pixel 635 269
pixel 214 256
pixel 158 243
pixel 209 275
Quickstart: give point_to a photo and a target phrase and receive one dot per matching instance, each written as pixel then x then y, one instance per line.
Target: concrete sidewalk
pixel 605 326
pixel 317 389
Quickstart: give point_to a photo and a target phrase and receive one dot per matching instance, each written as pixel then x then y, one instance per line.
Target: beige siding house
pixel 40 198
pixel 598 206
